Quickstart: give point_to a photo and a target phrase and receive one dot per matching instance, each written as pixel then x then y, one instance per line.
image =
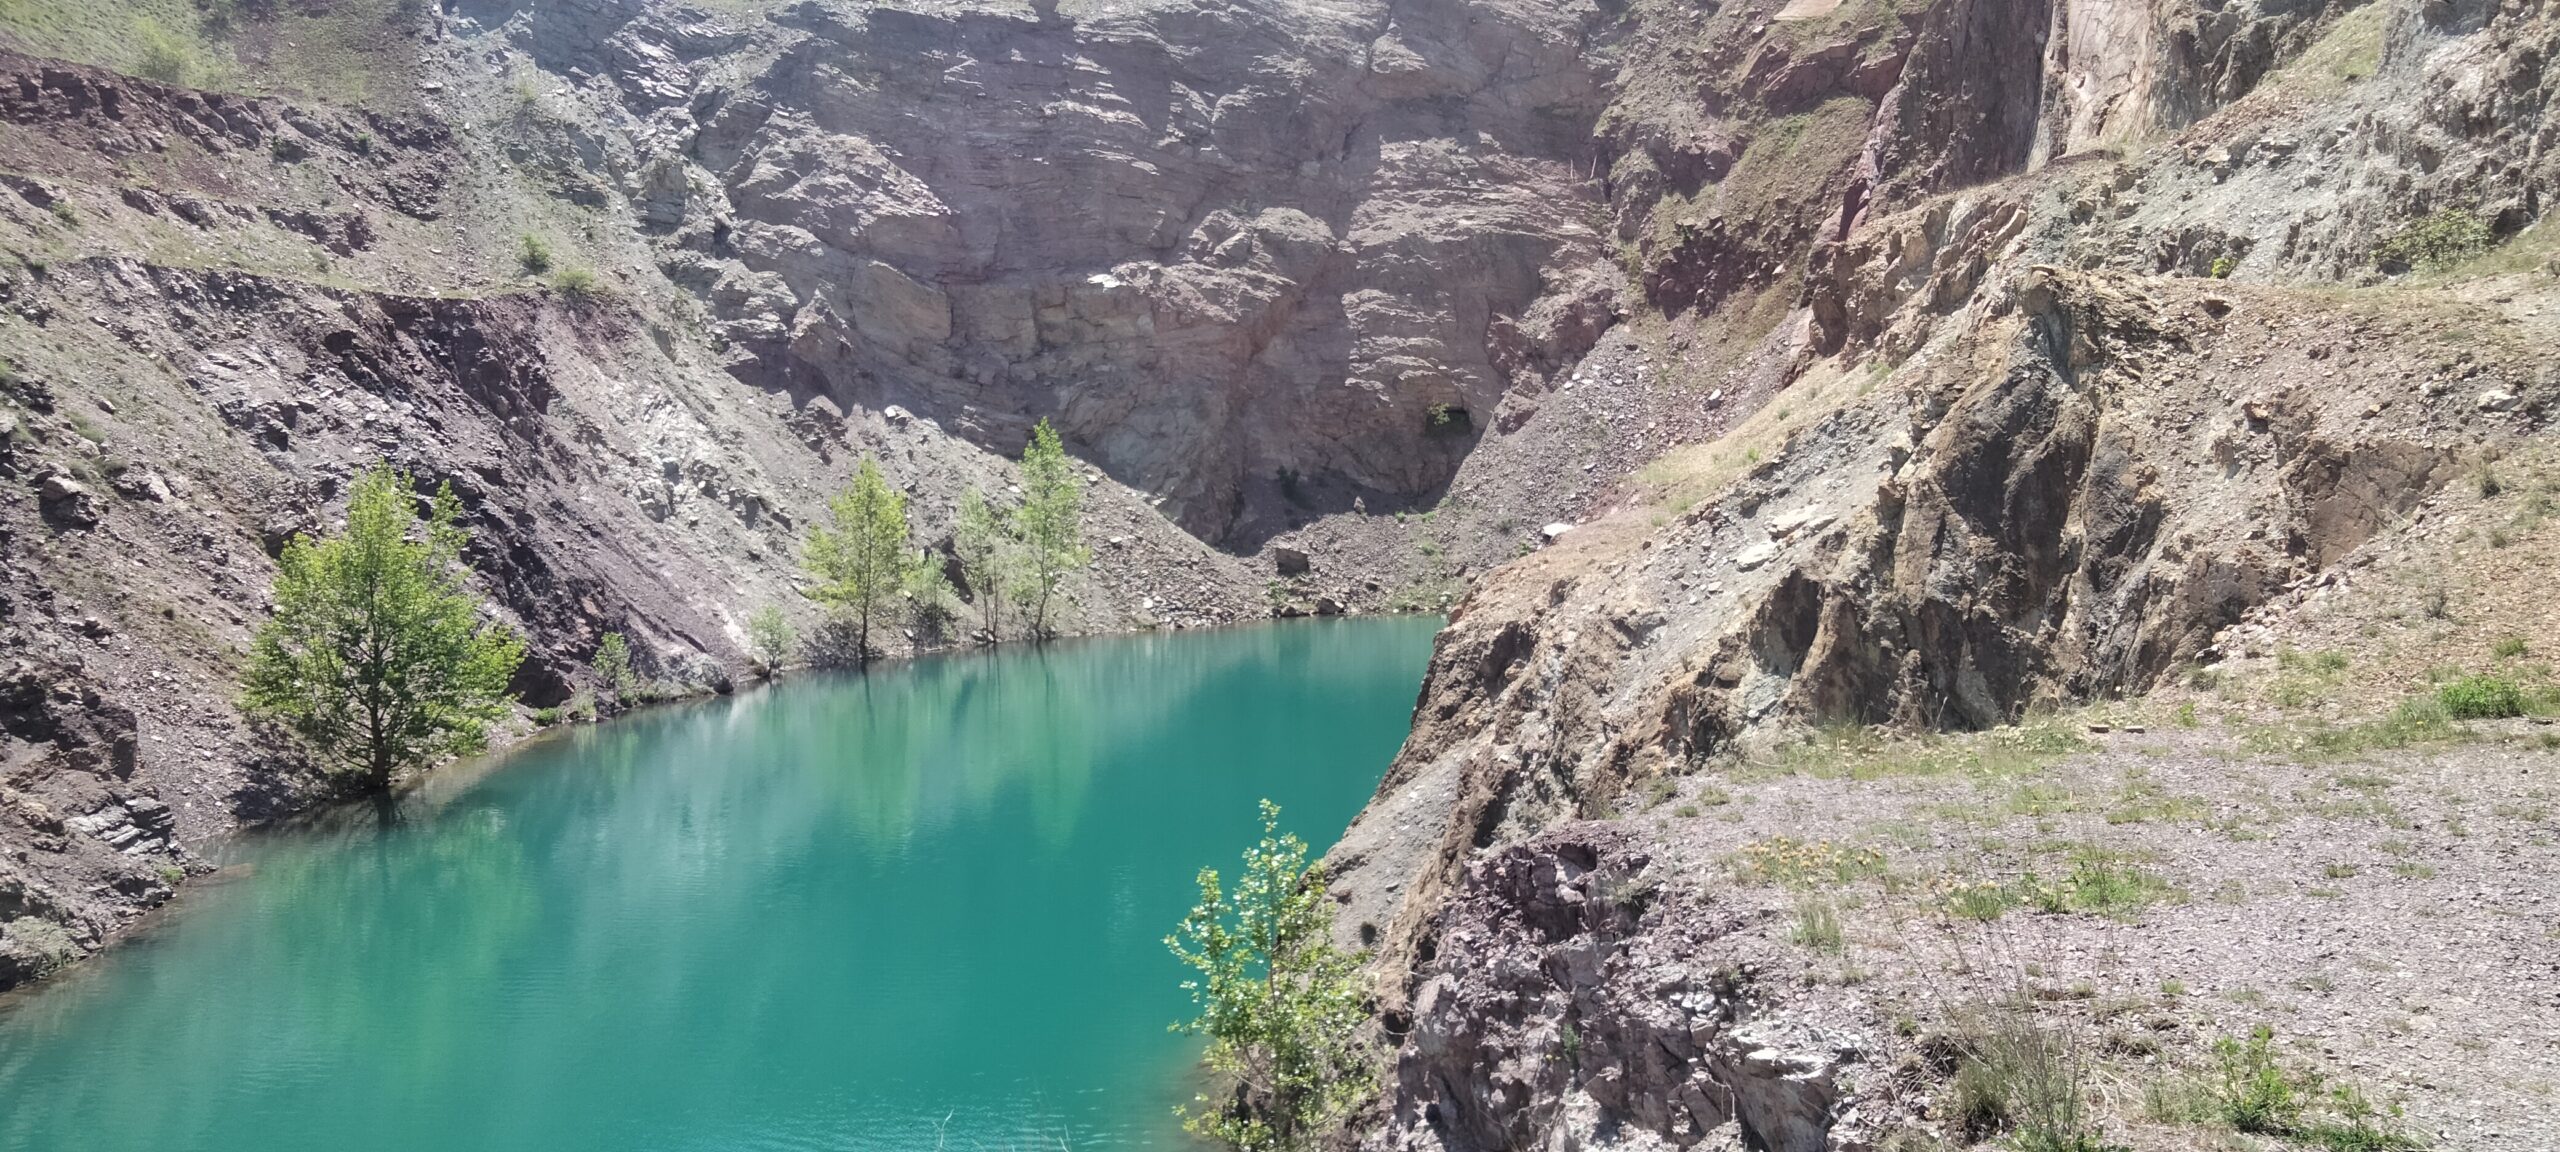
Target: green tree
pixel 1047 526
pixel 613 665
pixel 928 595
pixel 378 653
pixel 860 561
pixel 983 540
pixel 770 638
pixel 1280 1005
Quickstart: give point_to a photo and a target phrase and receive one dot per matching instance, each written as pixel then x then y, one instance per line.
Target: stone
pixel 67 501
pixel 1290 561
pixel 1756 555
pixel 2498 400
pixel 1555 530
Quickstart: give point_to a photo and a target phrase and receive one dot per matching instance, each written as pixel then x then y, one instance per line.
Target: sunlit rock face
pixel 1218 243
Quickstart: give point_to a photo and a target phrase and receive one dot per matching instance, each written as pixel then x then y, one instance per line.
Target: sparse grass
pixel 1857 752
pixel 1802 864
pixel 1817 926
pixel 2026 1079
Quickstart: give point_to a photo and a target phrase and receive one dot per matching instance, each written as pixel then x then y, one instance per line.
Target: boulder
pixel 1290 562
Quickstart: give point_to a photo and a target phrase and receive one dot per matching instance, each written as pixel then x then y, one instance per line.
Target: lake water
pixel 913 910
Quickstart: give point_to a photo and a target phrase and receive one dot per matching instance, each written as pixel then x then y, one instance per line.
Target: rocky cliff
pixel 1749 368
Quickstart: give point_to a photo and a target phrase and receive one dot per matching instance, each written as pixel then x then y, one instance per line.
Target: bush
pixel 2481 698
pixel 2027 1079
pixel 2442 240
pixel 613 665
pixel 161 55
pixel 1280 1006
pixel 577 285
pixel 534 255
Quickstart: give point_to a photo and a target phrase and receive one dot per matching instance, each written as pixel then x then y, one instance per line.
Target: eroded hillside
pixel 1738 369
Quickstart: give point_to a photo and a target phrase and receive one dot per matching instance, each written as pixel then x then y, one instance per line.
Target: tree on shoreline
pixel 378 652
pixel 1048 527
pixel 1280 1005
pixel 982 537
pixel 859 562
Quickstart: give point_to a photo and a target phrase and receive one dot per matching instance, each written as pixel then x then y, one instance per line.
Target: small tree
pixel 1047 526
pixel 1280 1005
pixel 770 638
pixel 860 561
pixel 613 665
pixel 983 540
pixel 378 653
pixel 928 596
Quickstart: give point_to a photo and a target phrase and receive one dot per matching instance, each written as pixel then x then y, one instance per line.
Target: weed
pixel 1817 926
pixel 1797 864
pixel 2028 1080
pixel 534 256
pixel 64 212
pixel 2481 698
pixel 2433 603
pixel 2508 648
pixel 577 285
pixel 2223 266
pixel 2489 485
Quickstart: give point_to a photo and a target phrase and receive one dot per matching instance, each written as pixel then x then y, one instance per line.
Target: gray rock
pixel 1290 561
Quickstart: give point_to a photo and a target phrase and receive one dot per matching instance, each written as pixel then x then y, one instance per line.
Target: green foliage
pixel 983 540
pixel 578 286
pixel 1048 527
pixel 534 256
pixel 2253 1092
pixel 161 54
pixel 2028 1080
pixel 859 562
pixel 545 717
pixel 1279 1004
pixel 378 654
pixel 2508 648
pixel 1818 925
pixel 1447 420
pixel 64 212
pixel 2442 240
pixel 2223 266
pixel 928 590
pixel 612 665
pixel 2481 698
pixel 770 638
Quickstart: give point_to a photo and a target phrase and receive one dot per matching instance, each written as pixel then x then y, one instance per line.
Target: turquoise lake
pixel 916 909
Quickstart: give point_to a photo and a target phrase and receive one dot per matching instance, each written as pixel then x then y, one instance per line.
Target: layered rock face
pixel 1981 455
pixel 1217 244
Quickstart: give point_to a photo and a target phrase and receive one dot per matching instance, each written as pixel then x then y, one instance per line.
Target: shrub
pixel 2508 647
pixel 770 638
pixel 613 665
pixel 64 212
pixel 2481 698
pixel 2253 1092
pixel 534 255
pixel 160 54
pixel 1280 1005
pixel 577 285
pixel 2441 240
pixel 2027 1079
pixel 2222 267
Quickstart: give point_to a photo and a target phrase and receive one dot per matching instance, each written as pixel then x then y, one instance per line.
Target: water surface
pixel 919 909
